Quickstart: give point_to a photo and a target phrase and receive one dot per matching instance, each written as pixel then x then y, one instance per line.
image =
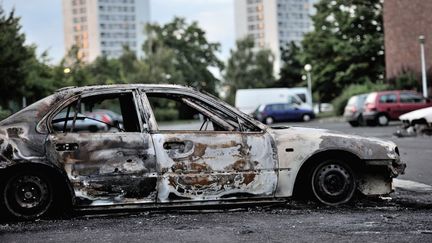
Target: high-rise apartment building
pixel 103 27
pixel 273 23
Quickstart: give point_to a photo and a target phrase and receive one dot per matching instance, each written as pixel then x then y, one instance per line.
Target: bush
pixel 340 102
pixel 4 113
pixel 407 79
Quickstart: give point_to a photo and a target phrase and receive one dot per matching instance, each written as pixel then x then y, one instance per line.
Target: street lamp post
pixel 423 65
pixel 308 69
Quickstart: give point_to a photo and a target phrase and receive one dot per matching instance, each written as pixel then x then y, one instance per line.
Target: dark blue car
pixel 271 113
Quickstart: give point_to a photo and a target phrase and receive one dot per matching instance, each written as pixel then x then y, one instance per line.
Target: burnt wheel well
pixel 62 190
pixel 302 187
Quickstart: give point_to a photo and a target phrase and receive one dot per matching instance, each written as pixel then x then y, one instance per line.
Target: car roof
pixel 74 89
pixel 276 104
pixel 395 91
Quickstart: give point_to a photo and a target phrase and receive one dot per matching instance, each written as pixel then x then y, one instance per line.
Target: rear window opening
pixel 98 113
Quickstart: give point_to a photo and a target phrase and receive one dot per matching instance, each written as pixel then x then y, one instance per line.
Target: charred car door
pixel 107 162
pixel 225 161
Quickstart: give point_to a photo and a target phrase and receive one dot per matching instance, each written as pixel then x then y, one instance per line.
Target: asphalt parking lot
pixel 405 216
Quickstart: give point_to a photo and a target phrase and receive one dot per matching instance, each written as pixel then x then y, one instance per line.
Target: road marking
pixel 412 185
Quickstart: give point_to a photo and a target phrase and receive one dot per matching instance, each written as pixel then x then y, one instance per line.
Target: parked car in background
pixel 235 160
pixel 418 122
pixel 116 119
pixel 247 100
pixel 381 107
pixel 271 113
pixel 353 112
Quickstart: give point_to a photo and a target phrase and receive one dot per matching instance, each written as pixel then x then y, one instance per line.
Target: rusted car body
pixel 242 160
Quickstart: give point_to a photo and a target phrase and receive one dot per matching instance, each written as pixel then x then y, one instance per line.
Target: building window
pixel 259 8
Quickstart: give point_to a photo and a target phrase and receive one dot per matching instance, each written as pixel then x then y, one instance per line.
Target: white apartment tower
pixel 273 23
pixel 103 27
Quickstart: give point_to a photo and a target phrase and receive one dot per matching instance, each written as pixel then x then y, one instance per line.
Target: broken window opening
pixel 180 112
pixel 98 113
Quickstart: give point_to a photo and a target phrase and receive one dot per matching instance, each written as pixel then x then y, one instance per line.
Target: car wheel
pixel 306 117
pixel 269 120
pixel 333 183
pixel 354 123
pixel 382 120
pixel 27 195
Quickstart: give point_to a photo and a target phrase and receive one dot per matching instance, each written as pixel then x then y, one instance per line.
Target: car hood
pixel 425 113
pixel 312 140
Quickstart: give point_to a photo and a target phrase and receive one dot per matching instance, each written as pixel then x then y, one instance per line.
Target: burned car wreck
pixel 46 164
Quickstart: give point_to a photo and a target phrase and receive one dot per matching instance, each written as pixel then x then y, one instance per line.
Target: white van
pixel 247 100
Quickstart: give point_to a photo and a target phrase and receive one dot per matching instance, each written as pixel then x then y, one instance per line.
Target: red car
pixel 381 107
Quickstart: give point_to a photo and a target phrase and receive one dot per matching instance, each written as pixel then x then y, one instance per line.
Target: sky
pixel 42 21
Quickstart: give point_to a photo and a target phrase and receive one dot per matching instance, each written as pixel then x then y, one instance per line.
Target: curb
pixel 411 185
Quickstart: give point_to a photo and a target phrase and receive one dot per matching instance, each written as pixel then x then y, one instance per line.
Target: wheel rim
pixel 28 196
pixel 333 183
pixel 306 117
pixel 269 120
pixel 382 120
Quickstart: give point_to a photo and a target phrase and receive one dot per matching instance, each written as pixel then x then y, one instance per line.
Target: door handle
pixel 66 146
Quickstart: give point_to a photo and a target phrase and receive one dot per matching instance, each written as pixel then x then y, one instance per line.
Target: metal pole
pixel 309 80
pixel 24 102
pixel 423 66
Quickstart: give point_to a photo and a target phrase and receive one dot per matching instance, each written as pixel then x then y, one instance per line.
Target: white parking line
pixel 412 185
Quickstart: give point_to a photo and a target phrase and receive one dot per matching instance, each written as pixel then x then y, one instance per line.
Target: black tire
pixel 27 195
pixel 382 119
pixel 354 123
pixel 333 182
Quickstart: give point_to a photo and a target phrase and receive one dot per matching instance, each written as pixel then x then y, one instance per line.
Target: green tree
pixel 160 64
pixel 13 57
pixel 129 66
pixel 72 71
pixel 248 68
pixel 292 67
pixel 190 53
pixel 40 77
pixel 346 46
pixel 104 71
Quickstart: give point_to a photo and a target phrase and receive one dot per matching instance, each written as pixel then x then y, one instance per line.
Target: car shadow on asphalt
pixel 400 200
